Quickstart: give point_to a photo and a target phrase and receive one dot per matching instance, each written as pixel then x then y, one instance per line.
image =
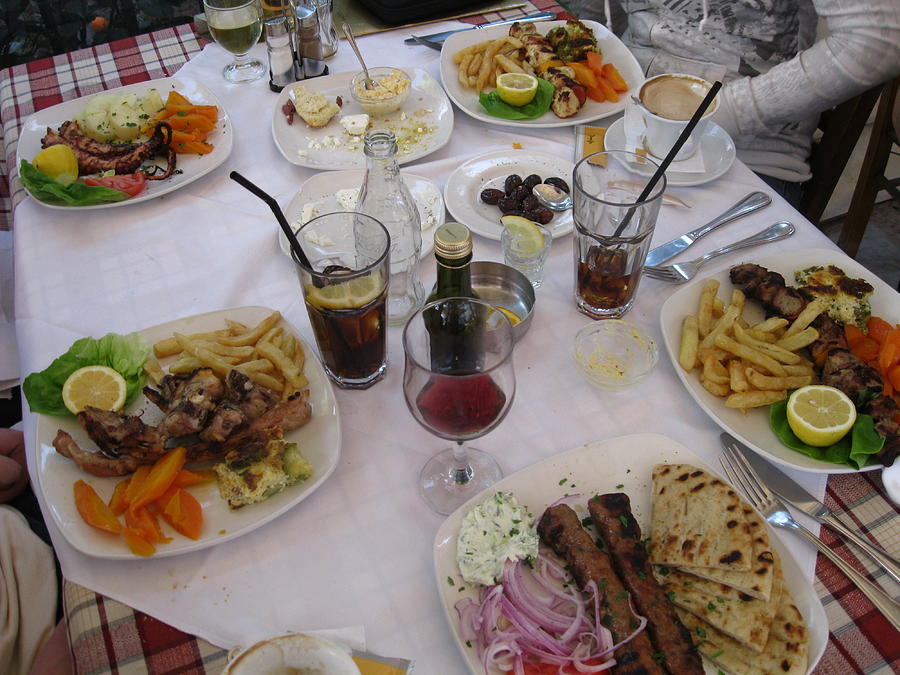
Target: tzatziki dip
pixel 497 530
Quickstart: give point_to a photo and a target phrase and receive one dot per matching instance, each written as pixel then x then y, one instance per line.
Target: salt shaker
pixel 281 56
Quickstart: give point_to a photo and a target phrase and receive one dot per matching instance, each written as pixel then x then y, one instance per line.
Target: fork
pixel 682 272
pixel 742 474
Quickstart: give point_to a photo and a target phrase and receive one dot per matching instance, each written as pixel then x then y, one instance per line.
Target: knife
pixel 786 488
pixel 752 202
pixel 435 40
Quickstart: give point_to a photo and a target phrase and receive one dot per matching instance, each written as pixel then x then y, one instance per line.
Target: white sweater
pixel 777 78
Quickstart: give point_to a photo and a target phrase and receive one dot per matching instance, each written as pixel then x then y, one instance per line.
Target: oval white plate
pixel 321 189
pixel 753 428
pixel 320 440
pixel 617 464
pixel 191 167
pixel 426 107
pixel 467 99
pixel 461 193
pixel 716 147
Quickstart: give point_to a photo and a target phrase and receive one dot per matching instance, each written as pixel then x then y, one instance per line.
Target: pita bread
pixel 698 521
pixel 786 651
pixel 757 582
pixel 734 613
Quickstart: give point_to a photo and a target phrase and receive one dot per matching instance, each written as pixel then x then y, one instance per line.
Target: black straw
pixel 279 216
pixel 682 139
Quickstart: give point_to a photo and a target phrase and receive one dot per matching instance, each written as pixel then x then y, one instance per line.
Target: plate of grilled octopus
pixel 165 170
pixel 764 280
pixel 309 418
pixel 536 49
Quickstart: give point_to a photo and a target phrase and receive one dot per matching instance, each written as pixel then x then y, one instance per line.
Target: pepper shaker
pixel 309 55
pixel 281 56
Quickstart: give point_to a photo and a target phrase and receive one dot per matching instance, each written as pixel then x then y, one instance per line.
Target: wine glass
pixel 459 383
pixel 236 25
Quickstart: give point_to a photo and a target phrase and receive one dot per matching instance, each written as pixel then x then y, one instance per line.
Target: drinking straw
pixel 682 139
pixel 279 216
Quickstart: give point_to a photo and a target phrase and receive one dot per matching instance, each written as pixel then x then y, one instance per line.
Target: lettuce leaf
pixel 855 449
pixel 45 189
pixel 123 353
pixel 538 106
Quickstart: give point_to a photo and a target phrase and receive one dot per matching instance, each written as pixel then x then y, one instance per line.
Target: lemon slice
pixel 526 235
pixel 820 415
pixel 355 293
pixel 517 88
pixel 96 386
pixel 511 315
pixel 59 162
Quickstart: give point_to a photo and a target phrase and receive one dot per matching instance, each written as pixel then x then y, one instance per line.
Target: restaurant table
pixel 359 550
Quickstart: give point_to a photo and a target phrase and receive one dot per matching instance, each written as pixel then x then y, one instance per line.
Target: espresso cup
pixel 668 102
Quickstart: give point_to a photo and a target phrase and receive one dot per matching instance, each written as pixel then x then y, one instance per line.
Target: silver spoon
pixel 368 82
pixel 552 197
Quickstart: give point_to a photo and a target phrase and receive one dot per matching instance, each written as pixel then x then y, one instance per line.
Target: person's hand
pixel 13 474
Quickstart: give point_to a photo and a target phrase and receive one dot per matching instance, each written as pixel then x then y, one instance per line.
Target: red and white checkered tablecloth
pixel 108 637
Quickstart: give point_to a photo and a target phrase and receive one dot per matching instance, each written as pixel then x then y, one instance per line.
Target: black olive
pixel 530 203
pixel 515 212
pixel 531 181
pixel 558 183
pixel 508 204
pixel 543 215
pixel 490 196
pixel 521 193
pixel 512 182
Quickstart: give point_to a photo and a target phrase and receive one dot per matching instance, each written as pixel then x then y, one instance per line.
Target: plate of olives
pixel 482 190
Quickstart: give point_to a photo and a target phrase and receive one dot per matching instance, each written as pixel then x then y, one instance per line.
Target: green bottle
pixel 454 336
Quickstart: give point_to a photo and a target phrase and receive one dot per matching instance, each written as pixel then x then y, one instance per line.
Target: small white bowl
pixel 385 103
pixel 294 653
pixel 614 354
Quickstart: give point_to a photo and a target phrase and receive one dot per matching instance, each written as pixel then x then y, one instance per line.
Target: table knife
pixel 752 202
pixel 786 488
pixel 435 40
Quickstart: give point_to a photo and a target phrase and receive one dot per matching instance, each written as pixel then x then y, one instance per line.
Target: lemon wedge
pixel 526 235
pixel 516 88
pixel 352 294
pixel 820 415
pixel 95 386
pixel 59 162
pixel 511 315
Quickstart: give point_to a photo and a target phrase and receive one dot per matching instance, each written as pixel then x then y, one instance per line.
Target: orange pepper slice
pixel 159 479
pixel 137 543
pixel 611 75
pixel 118 503
pixel 184 513
pixel 94 510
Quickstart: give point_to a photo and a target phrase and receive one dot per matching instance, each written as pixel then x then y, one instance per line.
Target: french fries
pixel 481 63
pixel 749 364
pixel 267 353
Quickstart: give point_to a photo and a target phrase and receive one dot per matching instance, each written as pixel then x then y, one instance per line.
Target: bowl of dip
pixel 389 93
pixel 613 354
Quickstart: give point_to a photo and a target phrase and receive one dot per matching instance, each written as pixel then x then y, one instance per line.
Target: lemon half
pixel 820 415
pixel 59 162
pixel 516 88
pixel 95 386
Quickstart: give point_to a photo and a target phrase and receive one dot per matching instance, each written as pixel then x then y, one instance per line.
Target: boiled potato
pixel 95 119
pixel 125 113
pixel 151 102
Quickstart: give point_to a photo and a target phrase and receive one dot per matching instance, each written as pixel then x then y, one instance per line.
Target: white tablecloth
pixel 359 551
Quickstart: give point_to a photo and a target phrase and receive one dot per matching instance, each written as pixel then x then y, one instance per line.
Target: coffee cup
pixel 668 102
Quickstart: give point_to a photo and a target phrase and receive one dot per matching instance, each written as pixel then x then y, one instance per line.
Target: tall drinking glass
pixel 345 290
pixel 236 25
pixel 613 229
pixel 459 383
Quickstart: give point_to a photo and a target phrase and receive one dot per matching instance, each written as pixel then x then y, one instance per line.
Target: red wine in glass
pixel 461 404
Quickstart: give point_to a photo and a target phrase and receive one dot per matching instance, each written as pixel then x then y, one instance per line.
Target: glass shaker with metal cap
pixel 281 56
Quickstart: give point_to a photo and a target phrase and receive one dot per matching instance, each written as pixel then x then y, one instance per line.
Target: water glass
pixel 236 25
pixel 613 229
pixel 521 254
pixel 345 290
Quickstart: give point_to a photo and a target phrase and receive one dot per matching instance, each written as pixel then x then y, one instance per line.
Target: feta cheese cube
pixel 309 212
pixel 355 125
pixel 347 198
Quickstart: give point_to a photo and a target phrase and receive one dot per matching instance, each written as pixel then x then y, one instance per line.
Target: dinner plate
pixel 753 428
pixel 321 188
pixel 716 148
pixel 467 99
pixel 622 464
pixel 422 124
pixel 189 167
pixel 319 439
pixel 463 189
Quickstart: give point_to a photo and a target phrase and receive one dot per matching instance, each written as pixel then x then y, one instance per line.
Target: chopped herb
pixel 641 574
pixel 513 531
pixel 607 620
pixel 462 588
pixel 627 470
pixel 671 596
pixel 720 600
pixel 659 657
pixel 621 595
pixel 562 480
pixel 620 486
pixel 516 521
pixel 711 606
pixel 624 520
pixel 469 643
pixel 450 581
pixel 701 631
pixel 603 583
pixel 717 654
pixel 688 583
pixel 585 522
pixel 665 571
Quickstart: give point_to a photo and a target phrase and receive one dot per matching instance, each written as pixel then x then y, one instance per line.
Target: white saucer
pixel 321 188
pixel 890 476
pixel 716 146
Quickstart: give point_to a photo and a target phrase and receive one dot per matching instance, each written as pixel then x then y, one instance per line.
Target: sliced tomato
pixel 130 183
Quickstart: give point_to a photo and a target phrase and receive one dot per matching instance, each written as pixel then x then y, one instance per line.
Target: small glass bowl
pixel 614 354
pixel 389 101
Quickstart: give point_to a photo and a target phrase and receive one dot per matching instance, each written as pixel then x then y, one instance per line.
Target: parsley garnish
pixel 620 486
pixel 624 520
pixel 716 655
pixel 701 631
pixel 659 657
pixel 450 581
pixel 710 606
pixel 562 480
pixel 641 574
pixel 671 596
